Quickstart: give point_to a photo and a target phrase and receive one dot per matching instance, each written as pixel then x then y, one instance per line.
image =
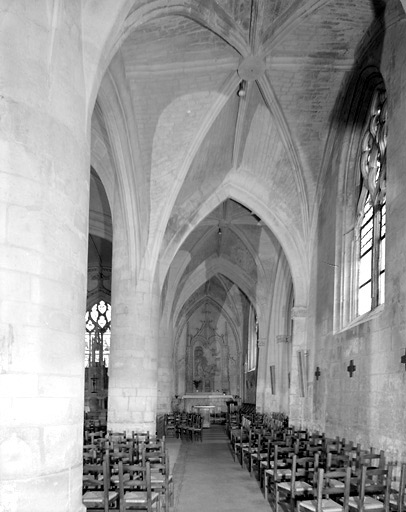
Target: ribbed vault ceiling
pixel 181 67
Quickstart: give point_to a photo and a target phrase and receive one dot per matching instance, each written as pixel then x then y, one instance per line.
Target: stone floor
pixel 207 479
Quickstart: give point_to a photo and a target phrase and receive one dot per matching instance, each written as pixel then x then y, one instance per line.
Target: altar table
pixel 219 400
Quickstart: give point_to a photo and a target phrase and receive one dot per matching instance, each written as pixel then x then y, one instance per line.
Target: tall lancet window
pixel 371 227
pixel 97 337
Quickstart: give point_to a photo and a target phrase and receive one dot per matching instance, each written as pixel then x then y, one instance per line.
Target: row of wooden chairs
pixel 185 426
pixel 121 480
pixel 302 471
pixel 119 444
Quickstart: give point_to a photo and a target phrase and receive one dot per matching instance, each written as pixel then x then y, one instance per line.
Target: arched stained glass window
pixel 372 207
pixel 97 338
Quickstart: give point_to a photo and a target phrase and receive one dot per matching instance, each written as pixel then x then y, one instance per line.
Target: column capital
pixel 262 342
pixel 283 338
pixel 299 312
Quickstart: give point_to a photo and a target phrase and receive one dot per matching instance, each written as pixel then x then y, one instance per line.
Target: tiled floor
pixel 207 479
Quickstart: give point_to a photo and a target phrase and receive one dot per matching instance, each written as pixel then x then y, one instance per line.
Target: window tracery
pixel 371 228
pixel 98 332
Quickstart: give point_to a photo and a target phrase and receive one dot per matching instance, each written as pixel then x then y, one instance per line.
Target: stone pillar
pixel 284 346
pixel 133 370
pixel 189 386
pixel 166 368
pixel 44 208
pixel 225 362
pixel 261 373
pixel 299 368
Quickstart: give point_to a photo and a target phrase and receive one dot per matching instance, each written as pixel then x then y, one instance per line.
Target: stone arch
pixel 130 184
pixel 127 18
pixel 253 196
pixel 204 272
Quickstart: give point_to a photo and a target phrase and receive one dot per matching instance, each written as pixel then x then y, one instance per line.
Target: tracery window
pixel 97 337
pixel 371 229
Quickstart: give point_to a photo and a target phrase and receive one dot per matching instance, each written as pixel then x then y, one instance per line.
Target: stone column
pixel 166 369
pixel 298 392
pixel 261 372
pixel 189 386
pixel 283 358
pixel 133 370
pixel 44 173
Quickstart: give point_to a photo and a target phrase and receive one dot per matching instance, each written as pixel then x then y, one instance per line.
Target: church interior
pixel 202 204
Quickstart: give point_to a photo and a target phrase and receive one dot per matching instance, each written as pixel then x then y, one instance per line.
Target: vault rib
pixel 208 14
pixel 289 21
pixel 282 126
pixel 229 87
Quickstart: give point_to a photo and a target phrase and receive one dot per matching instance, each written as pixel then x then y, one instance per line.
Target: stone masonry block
pixel 17 284
pixel 50 385
pixel 137 403
pixel 18 384
pixel 146 392
pixel 118 403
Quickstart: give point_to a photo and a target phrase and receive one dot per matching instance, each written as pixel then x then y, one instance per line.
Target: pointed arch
pixel 117 113
pixel 207 270
pixel 253 195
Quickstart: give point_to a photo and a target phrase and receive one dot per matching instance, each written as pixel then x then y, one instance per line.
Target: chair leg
pixel 266 486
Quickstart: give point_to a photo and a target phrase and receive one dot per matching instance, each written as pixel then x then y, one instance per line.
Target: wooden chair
pixel 374 490
pixel 162 481
pixel 397 501
pixel 154 453
pixel 91 454
pixel 300 485
pixel 259 454
pixel 196 429
pixel 135 492
pixel 97 495
pixel 254 438
pixel 240 439
pixel 124 451
pixel 170 425
pixel 370 459
pixel 268 461
pixel 326 486
pixel 182 425
pixel 280 470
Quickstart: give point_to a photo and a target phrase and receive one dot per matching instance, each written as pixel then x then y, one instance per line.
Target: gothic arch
pixel 254 197
pixel 204 273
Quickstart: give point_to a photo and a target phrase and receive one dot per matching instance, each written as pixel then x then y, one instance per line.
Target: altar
pixel 218 401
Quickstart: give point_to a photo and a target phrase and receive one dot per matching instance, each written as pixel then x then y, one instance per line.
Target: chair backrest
pixel 303 468
pixel 139 477
pixel 402 485
pixel 154 456
pixel 325 487
pixel 93 476
pixel 372 459
pixel 376 481
pixel 336 461
pixel 97 477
